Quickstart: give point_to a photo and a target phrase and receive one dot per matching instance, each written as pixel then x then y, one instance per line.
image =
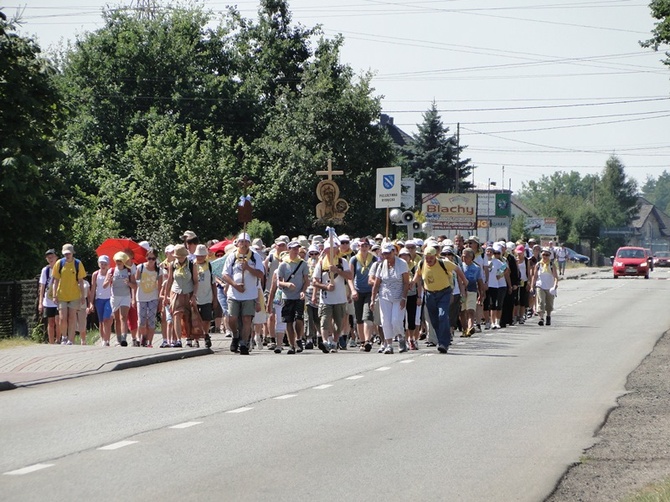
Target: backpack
pixel 441 262
pixel 61 264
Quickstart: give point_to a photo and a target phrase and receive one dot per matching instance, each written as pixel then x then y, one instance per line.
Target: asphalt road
pixel 500 417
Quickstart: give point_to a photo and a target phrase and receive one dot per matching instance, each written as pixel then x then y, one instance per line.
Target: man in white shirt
pixel 330 278
pixel 242 271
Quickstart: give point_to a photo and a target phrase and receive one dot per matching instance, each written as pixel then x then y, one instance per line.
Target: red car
pixel 662 259
pixel 631 261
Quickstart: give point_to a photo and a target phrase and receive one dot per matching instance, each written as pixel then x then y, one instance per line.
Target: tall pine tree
pixel 433 158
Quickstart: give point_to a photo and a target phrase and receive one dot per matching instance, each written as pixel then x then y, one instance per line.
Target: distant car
pixel 631 260
pixel 662 259
pixel 576 257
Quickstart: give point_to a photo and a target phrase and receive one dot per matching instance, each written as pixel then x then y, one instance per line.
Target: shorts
pixel 80 320
pixel 350 307
pixel 168 314
pixel 74 304
pixel 331 313
pixel 50 312
pixel 492 299
pixel 471 301
pixel 119 301
pixel 205 310
pixel 362 308
pixel 293 310
pixel 148 313
pixel 237 308
pixel 103 308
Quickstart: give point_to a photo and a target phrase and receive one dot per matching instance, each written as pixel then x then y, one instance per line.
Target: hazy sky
pixel 537 85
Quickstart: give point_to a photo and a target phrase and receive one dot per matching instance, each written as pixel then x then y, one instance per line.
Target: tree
pixel 657 191
pixel 433 158
pixel 660 9
pixel 616 195
pixel 31 188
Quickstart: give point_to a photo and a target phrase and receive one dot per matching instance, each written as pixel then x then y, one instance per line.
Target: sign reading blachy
pixel 450 211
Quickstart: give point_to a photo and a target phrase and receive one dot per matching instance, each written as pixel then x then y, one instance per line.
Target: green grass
pixel 15 341
pixel 658 492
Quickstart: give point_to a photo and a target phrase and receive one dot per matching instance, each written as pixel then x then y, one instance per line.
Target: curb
pixel 162 358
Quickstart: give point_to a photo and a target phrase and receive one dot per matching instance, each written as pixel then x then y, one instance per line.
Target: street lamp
pixel 488 207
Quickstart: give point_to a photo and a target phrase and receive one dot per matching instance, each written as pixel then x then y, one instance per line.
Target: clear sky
pixel 537 86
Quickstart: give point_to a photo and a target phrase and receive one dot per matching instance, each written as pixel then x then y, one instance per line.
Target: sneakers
pixel 413 345
pixel 165 344
pixel 388 350
pixel 403 346
pixel 323 347
pixel 442 349
pixel 234 344
pixel 278 349
pixel 69 342
pixel 244 349
pixel 367 347
pixel 299 346
pixel 136 343
pixel 177 344
pixel 381 349
pixel 189 342
pixel 208 341
pixel 291 350
pixel 309 345
pixel 548 320
pixel 272 346
pixel 487 325
pixel 352 342
pixel 540 322
pixel 123 342
pixel 196 344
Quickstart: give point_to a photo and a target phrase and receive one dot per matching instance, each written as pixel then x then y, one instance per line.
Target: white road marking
pixel 185 425
pixel 428 355
pixel 116 446
pixel 321 387
pixel 285 396
pixel 355 377
pixel 240 410
pixel 27 470
pixel 407 361
pixel 383 368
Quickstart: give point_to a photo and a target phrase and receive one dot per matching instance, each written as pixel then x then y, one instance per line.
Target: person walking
pixel 100 300
pixel 546 284
pixel 437 280
pixel 149 279
pixel 361 292
pixel 182 284
pixel 48 308
pixel 123 284
pixel 68 290
pixel 390 289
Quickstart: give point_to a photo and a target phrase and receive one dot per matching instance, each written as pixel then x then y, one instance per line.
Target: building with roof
pixel 651 228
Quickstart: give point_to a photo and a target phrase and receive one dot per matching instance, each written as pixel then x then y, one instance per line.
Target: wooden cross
pixel 245 183
pixel 330 173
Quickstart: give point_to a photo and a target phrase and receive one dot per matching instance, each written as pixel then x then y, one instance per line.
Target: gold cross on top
pixel 330 173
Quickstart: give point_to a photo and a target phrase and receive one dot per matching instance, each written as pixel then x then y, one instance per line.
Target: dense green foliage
pixel 657 191
pixel 31 185
pixel 585 205
pixel 660 9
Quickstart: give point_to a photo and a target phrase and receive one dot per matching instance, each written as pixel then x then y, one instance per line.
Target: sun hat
pixel 430 251
pixel 448 250
pixel 293 244
pixel 282 239
pixel 258 242
pixel 313 249
pixel 374 247
pixel 188 235
pixel 201 250
pixel 169 248
pixel 326 244
pixel 388 248
pixel 145 245
pixel 344 238
pixel 180 251
pixel 404 251
pixel 103 259
pixel 67 249
pixel 473 238
pixel 122 257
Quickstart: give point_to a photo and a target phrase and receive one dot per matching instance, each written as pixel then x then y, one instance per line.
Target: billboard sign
pixel 450 211
pixel 541 226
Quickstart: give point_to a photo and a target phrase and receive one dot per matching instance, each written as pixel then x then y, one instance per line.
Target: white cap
pixel 169 248
pixel 145 245
pixel 243 237
pixel 103 259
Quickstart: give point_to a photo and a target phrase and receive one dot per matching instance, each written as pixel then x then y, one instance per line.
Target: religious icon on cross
pixel 331 208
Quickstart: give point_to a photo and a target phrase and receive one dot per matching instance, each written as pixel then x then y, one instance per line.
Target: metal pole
pixel 488 209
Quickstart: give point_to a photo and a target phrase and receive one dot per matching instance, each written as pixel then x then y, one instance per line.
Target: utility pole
pixel 458 155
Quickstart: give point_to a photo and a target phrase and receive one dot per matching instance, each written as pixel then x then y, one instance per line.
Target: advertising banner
pixel 450 211
pixel 541 226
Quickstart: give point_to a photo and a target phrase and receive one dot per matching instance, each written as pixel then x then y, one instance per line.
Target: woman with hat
pixel 182 283
pixel 101 299
pixel 390 288
pixel 123 285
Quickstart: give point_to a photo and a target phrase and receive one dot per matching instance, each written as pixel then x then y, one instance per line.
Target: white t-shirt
pixel 233 269
pixel 47 279
pixel 391 286
pixel 339 294
pixel 494 268
pixel 147 286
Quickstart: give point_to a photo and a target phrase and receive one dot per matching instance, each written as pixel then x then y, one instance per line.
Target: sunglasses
pixel 151 258
pixel 313 254
pixel 546 254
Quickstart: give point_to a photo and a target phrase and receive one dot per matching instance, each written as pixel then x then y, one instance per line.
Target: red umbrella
pixel 112 246
pixel 220 246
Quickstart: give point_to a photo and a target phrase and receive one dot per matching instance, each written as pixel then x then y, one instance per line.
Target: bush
pixel 39 333
pixel 262 229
